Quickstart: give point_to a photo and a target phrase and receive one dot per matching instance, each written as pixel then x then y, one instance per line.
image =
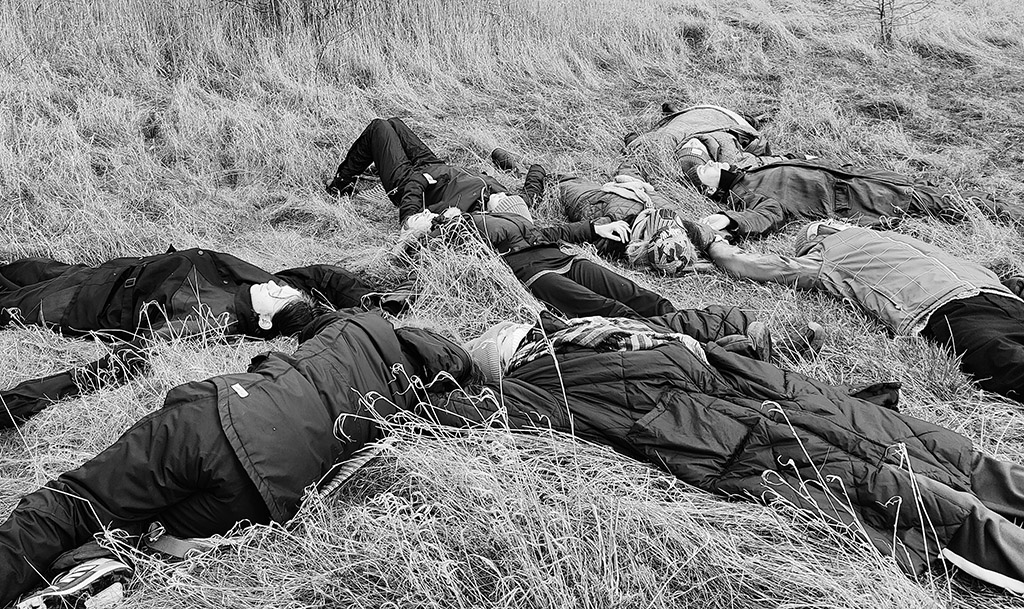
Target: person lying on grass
pixel 761 200
pixel 243 447
pixel 415 179
pixel 667 390
pixel 129 300
pixel 571 285
pixel 724 134
pixel 913 287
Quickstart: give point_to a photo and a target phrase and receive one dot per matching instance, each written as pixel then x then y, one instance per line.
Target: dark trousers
pixel 987 331
pixel 591 289
pixel 988 539
pixel 396 151
pixel 174 466
pixel 24 283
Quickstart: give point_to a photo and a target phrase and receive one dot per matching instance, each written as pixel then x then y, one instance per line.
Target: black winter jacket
pixel 763 199
pixel 742 427
pixel 291 417
pixel 129 294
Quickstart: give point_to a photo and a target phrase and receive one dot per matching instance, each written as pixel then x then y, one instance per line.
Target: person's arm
pixel 332 283
pixel 572 232
pixel 801 272
pixel 760 215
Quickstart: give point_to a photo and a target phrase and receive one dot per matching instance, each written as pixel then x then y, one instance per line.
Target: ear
pixel 266 323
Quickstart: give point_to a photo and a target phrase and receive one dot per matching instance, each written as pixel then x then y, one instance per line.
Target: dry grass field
pixel 130 125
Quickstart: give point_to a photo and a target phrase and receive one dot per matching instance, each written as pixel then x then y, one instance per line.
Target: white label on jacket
pixel 430 178
pixel 242 393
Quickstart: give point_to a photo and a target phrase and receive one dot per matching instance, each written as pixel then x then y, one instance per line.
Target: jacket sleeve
pixel 333 283
pixel 759 215
pixel 801 272
pixel 572 232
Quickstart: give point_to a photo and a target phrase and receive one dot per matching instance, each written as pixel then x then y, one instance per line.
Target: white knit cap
pixel 493 349
pixel 504 203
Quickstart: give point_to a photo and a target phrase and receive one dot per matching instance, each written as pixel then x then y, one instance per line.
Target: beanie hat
pixel 503 203
pixel 671 251
pixel 493 349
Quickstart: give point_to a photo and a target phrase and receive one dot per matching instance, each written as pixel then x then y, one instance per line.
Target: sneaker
pixel 506 161
pixel 81 581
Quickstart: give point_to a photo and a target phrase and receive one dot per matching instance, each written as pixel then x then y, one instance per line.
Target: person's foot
pixel 85 579
pixel 761 340
pixel 341 188
pixel 804 341
pixel 507 161
pixel 1015 284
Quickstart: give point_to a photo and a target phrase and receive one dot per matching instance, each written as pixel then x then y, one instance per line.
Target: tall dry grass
pixel 126 126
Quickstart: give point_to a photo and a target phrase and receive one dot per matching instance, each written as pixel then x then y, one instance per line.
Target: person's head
pixel 814 233
pixel 707 176
pixel 281 308
pixel 671 251
pixel 493 349
pixel 504 203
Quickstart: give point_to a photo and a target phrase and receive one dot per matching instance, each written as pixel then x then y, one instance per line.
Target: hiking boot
pixel 805 341
pixel 761 340
pixel 78 584
pixel 507 161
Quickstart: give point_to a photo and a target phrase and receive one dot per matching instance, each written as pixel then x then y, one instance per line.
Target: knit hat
pixel 671 251
pixel 503 203
pixel 493 349
pixel 689 160
pixel 814 233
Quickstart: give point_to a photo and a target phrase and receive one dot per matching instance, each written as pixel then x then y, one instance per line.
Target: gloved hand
pixel 614 231
pixel 701 235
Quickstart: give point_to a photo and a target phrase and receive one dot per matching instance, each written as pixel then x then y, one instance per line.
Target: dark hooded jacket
pixel 291 417
pixel 130 294
pixel 762 200
pixel 742 427
pixel 527 248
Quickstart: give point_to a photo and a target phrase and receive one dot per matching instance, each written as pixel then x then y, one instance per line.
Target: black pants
pixel 591 289
pixel 987 331
pixel 989 538
pixel 24 283
pixel 396 151
pixel 174 466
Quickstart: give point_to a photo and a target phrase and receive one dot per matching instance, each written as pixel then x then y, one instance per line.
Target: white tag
pixel 242 393
pixel 430 178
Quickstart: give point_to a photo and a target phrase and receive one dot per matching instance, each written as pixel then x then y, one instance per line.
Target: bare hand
pixel 615 231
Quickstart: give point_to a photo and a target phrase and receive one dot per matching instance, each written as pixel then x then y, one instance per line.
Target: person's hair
pixel 294 316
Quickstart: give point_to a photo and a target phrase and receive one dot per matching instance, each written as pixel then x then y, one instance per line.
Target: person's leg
pixel 999 485
pixel 380 145
pixel 574 300
pixel 607 283
pixel 533 185
pixel 29 271
pixel 419 153
pixel 987 331
pixel 155 471
pixel 708 324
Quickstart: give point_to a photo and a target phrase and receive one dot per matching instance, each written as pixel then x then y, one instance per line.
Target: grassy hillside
pixel 126 126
